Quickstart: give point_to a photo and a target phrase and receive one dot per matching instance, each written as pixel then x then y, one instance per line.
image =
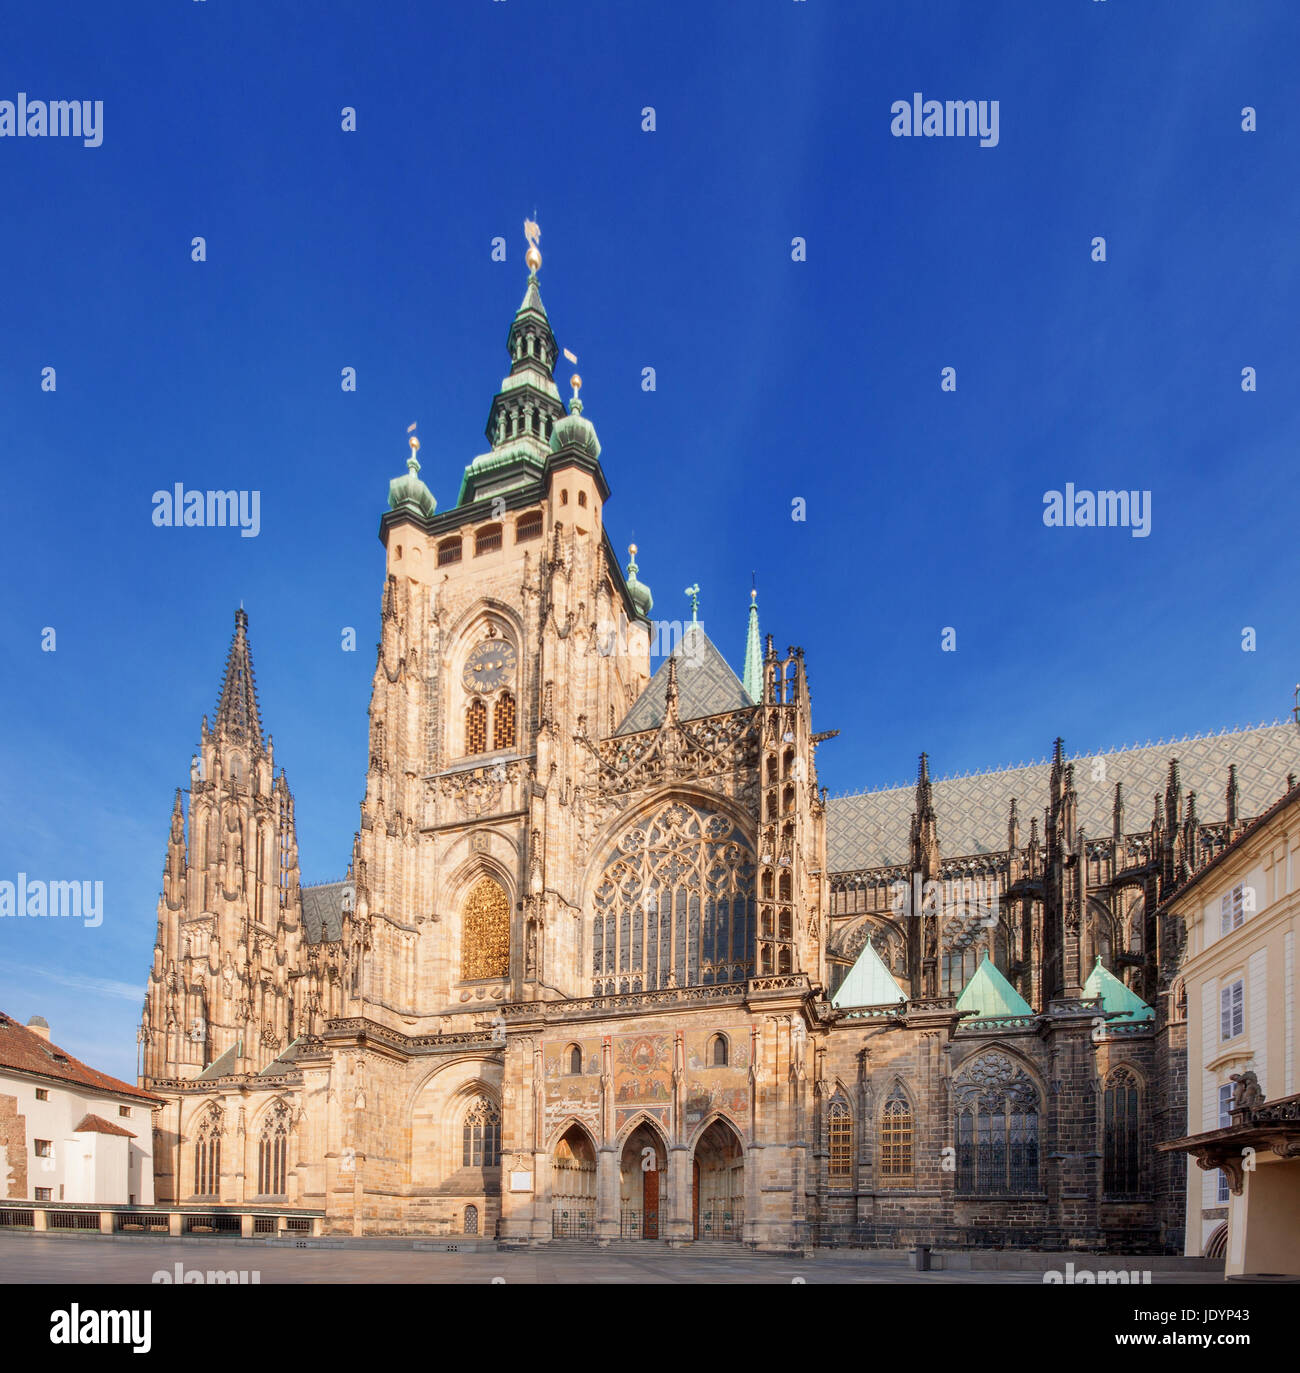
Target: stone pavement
pixel 30 1258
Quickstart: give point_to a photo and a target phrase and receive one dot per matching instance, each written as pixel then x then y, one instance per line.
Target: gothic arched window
pixel 1121 1154
pixel 485 932
pixel 718 1051
pixel 476 727
pixel 674 904
pixel 272 1152
pixel 996 1108
pixel 481 1135
pixel 839 1141
pixel 575 1060
pixel 207 1156
pixel 503 721
pixel 896 1138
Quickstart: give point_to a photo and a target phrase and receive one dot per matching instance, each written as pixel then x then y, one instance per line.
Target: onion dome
pixel 409 492
pixel 572 431
pixel 638 591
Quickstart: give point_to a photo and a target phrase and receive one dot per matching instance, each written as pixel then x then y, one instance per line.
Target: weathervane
pixel 533 257
pixel 694 593
pixel 575 381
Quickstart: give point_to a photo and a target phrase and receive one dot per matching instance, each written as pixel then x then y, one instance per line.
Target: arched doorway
pixel 641 1184
pixel 573 1186
pixel 718 1184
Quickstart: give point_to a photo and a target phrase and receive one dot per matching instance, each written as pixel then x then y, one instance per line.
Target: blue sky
pixel 776 379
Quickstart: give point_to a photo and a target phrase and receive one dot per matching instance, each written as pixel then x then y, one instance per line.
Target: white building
pixel 67 1132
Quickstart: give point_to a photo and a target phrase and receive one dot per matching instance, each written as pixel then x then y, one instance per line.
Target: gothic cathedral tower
pixel 510 642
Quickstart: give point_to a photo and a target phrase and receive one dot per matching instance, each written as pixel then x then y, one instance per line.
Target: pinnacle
pixel 237 710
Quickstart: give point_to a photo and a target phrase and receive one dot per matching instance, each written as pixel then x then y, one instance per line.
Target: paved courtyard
pixel 30 1258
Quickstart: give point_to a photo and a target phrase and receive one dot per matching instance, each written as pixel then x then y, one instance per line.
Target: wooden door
pixel 650 1210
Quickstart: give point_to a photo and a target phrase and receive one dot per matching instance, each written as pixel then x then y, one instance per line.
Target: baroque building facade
pixel 608 963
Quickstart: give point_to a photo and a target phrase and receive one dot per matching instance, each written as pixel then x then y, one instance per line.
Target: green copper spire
pixel 1118 1001
pixel 409 491
pixel 753 680
pixel 639 591
pixel 990 995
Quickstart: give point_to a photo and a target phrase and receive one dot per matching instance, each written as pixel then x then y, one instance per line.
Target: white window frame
pixel 1226 1091
pixel 1232 1010
pixel 1233 908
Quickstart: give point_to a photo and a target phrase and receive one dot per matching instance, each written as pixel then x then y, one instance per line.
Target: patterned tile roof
pixel 21 1051
pixel 872 829
pixel 322 911
pixel 705 686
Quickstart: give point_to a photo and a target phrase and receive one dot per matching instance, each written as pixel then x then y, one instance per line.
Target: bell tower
pixel 510 643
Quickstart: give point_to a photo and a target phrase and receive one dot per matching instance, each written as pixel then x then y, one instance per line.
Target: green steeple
pixel 868 983
pixel 990 995
pixel 1118 1001
pixel 409 490
pixel 638 591
pixel 526 408
pixel 753 679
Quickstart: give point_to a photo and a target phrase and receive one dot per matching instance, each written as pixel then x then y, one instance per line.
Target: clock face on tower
pixel 489 666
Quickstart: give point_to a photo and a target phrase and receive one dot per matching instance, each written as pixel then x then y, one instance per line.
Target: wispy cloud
pixel 104 986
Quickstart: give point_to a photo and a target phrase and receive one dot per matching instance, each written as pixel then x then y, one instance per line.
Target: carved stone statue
pixel 1248 1094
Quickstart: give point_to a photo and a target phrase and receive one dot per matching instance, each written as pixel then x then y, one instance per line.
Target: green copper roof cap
pixel 753 679
pixel 575 432
pixel 990 995
pixel 868 983
pixel 1117 1000
pixel 410 491
pixel 638 591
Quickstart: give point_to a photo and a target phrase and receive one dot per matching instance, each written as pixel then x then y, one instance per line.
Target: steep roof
pixel 221 1066
pixel 1116 999
pixel 705 685
pixel 873 829
pixel 322 912
pixel 868 983
pixel 21 1051
pixel 989 994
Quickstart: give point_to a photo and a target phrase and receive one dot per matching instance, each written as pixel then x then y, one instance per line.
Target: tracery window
pixel 207 1157
pixel 674 904
pixel 1121 1156
pixel 485 932
pixel 896 1139
pixel 476 727
pixel 272 1153
pixel 503 721
pixel 996 1106
pixel 481 1135
pixel 840 1141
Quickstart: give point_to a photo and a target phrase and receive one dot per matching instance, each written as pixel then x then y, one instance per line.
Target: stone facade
pixel 577 981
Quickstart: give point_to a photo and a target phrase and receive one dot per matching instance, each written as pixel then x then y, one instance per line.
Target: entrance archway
pixel 718 1184
pixel 573 1186
pixel 641 1184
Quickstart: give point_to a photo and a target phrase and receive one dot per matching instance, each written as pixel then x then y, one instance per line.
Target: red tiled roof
pixel 97 1125
pixel 23 1051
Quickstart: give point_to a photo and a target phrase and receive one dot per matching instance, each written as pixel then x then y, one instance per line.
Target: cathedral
pixel 608 963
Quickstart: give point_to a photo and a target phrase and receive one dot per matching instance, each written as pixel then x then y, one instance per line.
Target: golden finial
pixel 414 445
pixel 631 548
pixel 575 380
pixel 533 257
